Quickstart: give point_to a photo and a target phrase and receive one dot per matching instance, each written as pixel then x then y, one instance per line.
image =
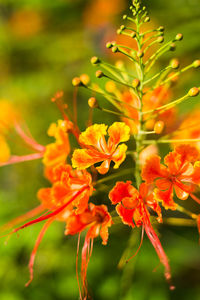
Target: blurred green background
pixel 43 45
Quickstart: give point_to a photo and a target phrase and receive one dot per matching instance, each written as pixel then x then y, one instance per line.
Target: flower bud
pixel 122 27
pixel 179 37
pixel 161 28
pixel 133 34
pixel 92 102
pixel 174 63
pixel 85 79
pixel 125 17
pixel 99 74
pixel 140 53
pixel 158 127
pixel 110 86
pixel 76 81
pixel 147 19
pixel 119 31
pixel 150 124
pixel 193 92
pixel 135 83
pixel 160 39
pixel 109 45
pixel 196 63
pixel 115 49
pixel 172 47
pixel 95 60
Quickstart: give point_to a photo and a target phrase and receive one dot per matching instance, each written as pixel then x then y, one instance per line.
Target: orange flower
pixel 181 174
pixel 65 183
pixel 97 150
pixel 97 220
pixel 58 151
pixel 133 206
pixel 131 203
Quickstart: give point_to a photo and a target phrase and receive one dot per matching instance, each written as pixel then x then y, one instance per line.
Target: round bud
pixel 150 124
pixel 109 45
pixel 158 127
pixel 85 79
pixel 172 47
pixel 122 27
pixel 140 53
pixel 160 39
pixel 99 74
pixel 119 64
pixel 161 28
pixel 144 7
pixel 92 102
pixel 124 17
pixel 193 92
pixel 147 19
pixel 95 60
pixel 179 37
pixel 110 86
pixel 196 63
pixel 133 34
pixel 76 81
pixel 174 63
pixel 114 49
pixel 135 83
pixel 119 31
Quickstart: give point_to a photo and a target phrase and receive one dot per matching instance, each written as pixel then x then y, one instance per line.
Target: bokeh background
pixel 43 45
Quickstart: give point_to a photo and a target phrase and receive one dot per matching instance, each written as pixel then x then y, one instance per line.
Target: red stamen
pixel 141 241
pixel 18 159
pixel 38 241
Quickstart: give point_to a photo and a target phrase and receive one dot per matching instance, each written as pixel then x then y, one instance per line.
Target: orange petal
pixel 4 150
pixel 119 155
pixel 126 215
pixel 166 197
pixel 92 134
pixel 83 159
pixel 152 169
pixel 104 167
pixel 187 152
pixel 118 132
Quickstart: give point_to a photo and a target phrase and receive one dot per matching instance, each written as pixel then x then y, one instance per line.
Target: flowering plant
pixel 143 104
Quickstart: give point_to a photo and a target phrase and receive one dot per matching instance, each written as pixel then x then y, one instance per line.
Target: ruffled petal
pixel 122 190
pixel 82 159
pixel 118 132
pixel 153 169
pixel 119 155
pixel 187 152
pixel 126 215
pixel 166 197
pixel 93 134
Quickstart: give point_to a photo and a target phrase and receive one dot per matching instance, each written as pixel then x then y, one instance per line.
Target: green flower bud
pixel 172 47
pixel 196 63
pixel 119 31
pixel 114 49
pixel 161 28
pixel 174 63
pixel 135 83
pixel 122 27
pixel 193 92
pixel 99 74
pixel 140 53
pixel 133 35
pixel 76 81
pixel 160 39
pixel 179 37
pixel 95 60
pixel 125 17
pixel 147 19
pixel 109 45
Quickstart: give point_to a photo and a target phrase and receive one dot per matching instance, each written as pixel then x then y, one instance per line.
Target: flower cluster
pixel 147 118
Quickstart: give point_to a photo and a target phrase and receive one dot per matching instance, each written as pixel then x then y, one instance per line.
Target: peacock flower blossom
pixel 65 184
pixel 96 149
pixel 58 151
pixel 131 203
pixel 132 207
pixel 181 173
pixel 97 220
